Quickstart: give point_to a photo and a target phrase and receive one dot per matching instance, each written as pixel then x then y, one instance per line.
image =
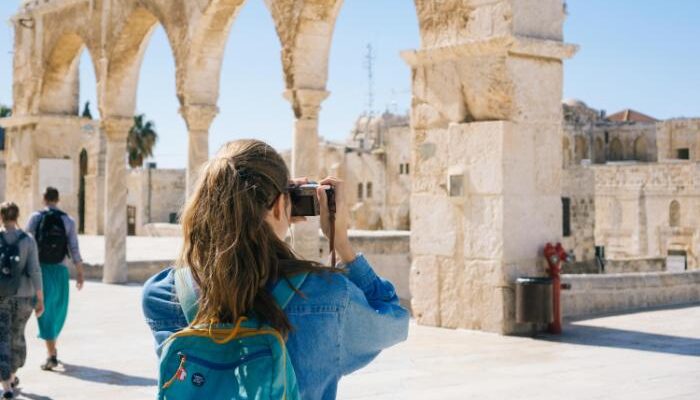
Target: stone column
pixel 198 118
pixel 486 151
pixel 305 161
pixel 116 130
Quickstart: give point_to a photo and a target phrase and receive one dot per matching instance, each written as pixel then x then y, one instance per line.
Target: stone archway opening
pixel 251 92
pixel 580 149
pixel 616 150
pixel 366 117
pixel 674 214
pixel 641 151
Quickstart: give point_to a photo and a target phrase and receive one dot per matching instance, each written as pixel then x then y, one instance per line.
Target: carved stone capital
pixel 116 128
pixel 199 117
pixel 306 102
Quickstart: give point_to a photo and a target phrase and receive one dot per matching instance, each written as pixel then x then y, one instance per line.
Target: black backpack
pixel 51 237
pixel 11 269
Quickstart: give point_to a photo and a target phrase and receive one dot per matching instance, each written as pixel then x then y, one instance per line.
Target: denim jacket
pixel 341 323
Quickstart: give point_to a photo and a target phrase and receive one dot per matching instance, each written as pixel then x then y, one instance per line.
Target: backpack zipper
pixel 220 366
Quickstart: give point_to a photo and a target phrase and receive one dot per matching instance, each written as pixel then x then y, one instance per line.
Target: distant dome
pixel 574 103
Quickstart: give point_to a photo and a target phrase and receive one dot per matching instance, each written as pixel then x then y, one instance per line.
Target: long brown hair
pixel 232 251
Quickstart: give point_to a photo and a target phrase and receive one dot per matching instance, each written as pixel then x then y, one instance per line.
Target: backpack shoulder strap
pixel 186 293
pixel 188 297
pixel 3 241
pixel 283 294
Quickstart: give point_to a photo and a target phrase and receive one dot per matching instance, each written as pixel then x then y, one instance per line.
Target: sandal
pixel 50 364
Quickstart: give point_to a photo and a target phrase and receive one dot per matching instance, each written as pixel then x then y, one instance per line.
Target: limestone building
pixel 630 191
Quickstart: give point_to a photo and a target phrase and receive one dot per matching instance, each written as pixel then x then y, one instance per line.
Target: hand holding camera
pixel 326 199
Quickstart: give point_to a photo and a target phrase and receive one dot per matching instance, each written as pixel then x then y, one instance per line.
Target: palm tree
pixel 141 141
pixel 5 111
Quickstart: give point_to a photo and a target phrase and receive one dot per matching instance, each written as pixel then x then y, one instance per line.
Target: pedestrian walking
pixel 57 239
pixel 20 294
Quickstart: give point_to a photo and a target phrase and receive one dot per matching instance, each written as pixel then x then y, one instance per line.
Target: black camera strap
pixel 331 220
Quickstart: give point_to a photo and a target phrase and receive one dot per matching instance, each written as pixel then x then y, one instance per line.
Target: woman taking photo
pixel 234 227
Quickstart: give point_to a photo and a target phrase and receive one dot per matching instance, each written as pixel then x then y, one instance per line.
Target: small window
pixel 400 169
pixel 359 191
pixel 369 190
pixel 674 217
pixel 683 154
pixel 607 137
pixel 566 216
pixel 407 169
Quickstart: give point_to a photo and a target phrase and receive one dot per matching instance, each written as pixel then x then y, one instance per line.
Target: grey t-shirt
pixel 29 255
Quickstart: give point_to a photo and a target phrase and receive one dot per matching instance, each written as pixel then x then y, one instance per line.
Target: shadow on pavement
pixel 608 337
pixel 30 396
pixel 105 376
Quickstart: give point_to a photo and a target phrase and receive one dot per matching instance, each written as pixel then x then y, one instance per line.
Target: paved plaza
pixel 108 354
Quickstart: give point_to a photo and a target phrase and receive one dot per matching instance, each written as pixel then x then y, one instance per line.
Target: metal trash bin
pixel 533 300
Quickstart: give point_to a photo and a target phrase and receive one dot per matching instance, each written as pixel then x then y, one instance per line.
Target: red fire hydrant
pixel 555 254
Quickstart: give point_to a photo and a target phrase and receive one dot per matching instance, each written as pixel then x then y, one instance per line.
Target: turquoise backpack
pixel 248 360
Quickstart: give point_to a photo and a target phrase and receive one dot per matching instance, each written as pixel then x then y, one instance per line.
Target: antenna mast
pixel 369 65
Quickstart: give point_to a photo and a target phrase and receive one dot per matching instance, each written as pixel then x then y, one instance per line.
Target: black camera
pixel 305 200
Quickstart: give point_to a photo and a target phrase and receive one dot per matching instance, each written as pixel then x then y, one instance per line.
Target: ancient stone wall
pixel 595 294
pixel 633 209
pixel 678 134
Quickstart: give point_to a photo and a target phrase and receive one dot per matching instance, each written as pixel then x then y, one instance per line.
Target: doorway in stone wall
pixel 81 191
pixel 676 261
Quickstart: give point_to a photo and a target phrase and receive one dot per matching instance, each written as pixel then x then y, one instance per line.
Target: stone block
pixel 425 289
pixel 537 89
pixel 483 227
pixel 543 19
pixel 478 148
pixel 434 224
pixel 429 163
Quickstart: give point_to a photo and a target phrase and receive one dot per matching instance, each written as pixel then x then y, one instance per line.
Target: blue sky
pixel 638 54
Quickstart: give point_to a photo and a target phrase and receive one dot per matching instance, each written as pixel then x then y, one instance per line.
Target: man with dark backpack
pixel 56 238
pixel 20 294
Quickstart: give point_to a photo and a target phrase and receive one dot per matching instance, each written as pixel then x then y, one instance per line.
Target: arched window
pixel 580 149
pixel 566 154
pixel 599 151
pixel 615 150
pixel 674 216
pixel 640 149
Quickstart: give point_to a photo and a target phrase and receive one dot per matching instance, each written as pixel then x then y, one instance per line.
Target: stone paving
pixel 108 354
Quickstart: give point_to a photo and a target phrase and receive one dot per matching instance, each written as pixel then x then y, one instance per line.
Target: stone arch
pixel 305 35
pixel 202 74
pixel 616 150
pixel 60 86
pixel 580 149
pixel 641 149
pixel 674 214
pixel 566 151
pixel 125 57
pixel 599 151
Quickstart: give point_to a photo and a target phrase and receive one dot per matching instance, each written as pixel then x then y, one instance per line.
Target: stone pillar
pixel 305 161
pixel 486 147
pixel 116 130
pixel 198 118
